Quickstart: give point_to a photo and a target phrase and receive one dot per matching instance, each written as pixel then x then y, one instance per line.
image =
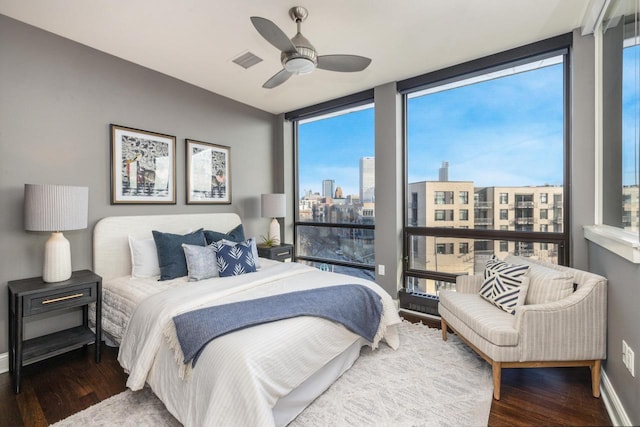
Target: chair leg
pixel 595 378
pixel 443 325
pixel 497 377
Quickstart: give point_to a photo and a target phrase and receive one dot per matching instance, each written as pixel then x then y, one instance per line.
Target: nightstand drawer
pixel 277 253
pixel 76 296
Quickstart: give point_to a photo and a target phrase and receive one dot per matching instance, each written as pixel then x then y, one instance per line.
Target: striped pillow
pixel 548 284
pixel 505 285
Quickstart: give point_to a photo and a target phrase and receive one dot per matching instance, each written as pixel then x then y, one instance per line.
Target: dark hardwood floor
pixel 56 388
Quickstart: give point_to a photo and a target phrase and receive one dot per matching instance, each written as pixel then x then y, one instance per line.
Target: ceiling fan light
pixel 299 65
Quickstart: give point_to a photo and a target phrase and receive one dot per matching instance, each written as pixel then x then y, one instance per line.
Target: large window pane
pixel 498 138
pixel 336 184
pixel 630 133
pixel 485 171
pixel 351 245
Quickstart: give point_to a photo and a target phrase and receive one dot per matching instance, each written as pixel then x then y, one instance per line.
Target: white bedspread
pixel 240 376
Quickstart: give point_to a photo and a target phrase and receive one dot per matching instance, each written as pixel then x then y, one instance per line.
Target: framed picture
pixel 208 173
pixel 143 166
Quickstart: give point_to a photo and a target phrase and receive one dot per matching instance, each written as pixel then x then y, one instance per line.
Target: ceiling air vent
pixel 247 60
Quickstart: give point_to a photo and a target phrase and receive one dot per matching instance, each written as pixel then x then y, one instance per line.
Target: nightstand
pixel 281 252
pixel 29 297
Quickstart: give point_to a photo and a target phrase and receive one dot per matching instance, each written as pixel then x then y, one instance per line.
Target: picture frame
pixel 208 170
pixel 143 166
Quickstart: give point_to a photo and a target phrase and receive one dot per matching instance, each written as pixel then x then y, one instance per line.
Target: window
pixel 544 228
pixel 444 215
pixel 463 197
pixel 543 198
pixel 444 197
pixel 444 248
pixel 336 233
pixel 502 159
pixel 414 209
pixel 544 214
pixel 631 131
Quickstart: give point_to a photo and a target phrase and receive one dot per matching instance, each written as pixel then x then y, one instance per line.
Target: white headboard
pixel 111 254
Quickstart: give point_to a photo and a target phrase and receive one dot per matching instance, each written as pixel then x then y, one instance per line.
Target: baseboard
pixel 4 363
pixel 614 407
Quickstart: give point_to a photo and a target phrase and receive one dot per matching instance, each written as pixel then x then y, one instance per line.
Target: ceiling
pixel 196 40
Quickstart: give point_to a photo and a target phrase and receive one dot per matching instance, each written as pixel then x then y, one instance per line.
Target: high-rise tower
pixel 367 179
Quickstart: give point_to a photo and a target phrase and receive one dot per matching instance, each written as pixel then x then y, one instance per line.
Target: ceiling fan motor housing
pixel 301 61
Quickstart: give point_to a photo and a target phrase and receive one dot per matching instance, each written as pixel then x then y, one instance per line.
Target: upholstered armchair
pixel 561 323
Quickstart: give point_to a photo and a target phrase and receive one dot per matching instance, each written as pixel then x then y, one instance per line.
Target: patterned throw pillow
pixel 254 248
pixel 505 285
pixel 201 262
pixel 234 260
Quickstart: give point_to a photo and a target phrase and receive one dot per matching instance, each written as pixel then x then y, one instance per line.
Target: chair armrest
pixel 468 284
pixel 574 328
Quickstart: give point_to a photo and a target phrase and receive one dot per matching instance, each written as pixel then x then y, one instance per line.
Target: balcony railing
pixel 483 221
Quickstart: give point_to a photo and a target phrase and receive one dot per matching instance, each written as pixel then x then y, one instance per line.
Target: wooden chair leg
pixel 443 325
pixel 497 377
pixel 595 378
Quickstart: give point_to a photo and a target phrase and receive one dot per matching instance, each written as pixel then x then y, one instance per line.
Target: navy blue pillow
pixel 234 260
pixel 170 253
pixel 235 235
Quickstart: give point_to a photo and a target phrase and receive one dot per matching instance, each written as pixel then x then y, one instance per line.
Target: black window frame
pixel 559 45
pixel 324 108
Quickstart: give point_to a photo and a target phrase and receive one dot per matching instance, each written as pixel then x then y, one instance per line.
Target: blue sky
pixel 502 132
pixel 630 103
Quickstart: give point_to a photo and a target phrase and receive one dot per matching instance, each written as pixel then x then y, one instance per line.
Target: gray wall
pixel 389 182
pixel 623 324
pixel 582 146
pixel 57 101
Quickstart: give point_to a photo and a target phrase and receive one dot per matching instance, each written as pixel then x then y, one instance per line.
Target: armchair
pixel 569 331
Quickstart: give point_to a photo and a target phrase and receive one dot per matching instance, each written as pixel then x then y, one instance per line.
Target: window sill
pixel 616 240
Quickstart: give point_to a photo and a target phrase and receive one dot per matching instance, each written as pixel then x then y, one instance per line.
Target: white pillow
pixel 144 258
pixel 254 248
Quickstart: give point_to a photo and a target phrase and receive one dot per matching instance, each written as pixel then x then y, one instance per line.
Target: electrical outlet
pixel 628 358
pixel 381 269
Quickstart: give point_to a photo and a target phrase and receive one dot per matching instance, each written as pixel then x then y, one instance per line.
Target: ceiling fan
pixel 298 56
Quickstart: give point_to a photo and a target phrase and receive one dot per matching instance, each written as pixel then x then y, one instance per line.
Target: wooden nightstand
pixel 281 252
pixel 28 297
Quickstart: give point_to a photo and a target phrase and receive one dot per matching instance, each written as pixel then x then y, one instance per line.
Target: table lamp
pixel 274 206
pixel 55 208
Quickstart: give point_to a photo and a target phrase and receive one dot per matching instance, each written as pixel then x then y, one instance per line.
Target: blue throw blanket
pixel 356 307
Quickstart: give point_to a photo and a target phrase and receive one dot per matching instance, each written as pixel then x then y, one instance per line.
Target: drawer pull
pixel 282 253
pixel 49 301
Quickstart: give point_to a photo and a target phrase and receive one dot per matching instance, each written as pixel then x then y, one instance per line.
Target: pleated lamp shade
pixel 274 206
pixel 55 208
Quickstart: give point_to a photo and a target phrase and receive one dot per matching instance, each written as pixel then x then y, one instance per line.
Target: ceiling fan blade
pixel 277 79
pixel 343 63
pixel 273 34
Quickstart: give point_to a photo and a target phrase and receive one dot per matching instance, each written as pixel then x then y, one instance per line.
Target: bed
pixel 263 375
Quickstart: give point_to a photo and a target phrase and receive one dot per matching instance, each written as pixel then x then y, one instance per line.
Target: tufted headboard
pixel 111 254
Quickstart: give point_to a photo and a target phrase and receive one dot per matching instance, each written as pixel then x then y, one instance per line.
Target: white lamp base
pixel 274 231
pixel 57 259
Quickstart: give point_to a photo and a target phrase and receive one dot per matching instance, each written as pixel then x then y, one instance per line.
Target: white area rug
pixel 426 382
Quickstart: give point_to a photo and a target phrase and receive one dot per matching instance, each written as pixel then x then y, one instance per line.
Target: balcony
pixel 483 221
pixel 525 205
pixel 525 220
